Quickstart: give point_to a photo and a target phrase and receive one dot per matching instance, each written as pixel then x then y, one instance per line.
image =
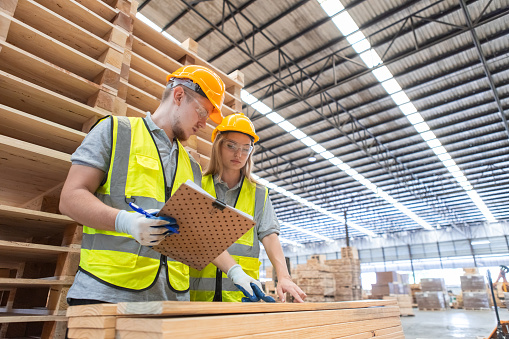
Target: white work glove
pixel 251 288
pixel 148 232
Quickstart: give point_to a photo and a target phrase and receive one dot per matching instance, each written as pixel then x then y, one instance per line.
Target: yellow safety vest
pixel 116 259
pixel 210 283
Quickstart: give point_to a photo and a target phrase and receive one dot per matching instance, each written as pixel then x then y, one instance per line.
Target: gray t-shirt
pixel 95 152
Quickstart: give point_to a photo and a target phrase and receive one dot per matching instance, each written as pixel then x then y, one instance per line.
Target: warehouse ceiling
pixel 406 101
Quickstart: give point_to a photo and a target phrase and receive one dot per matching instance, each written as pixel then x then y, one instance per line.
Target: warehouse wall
pixel 444 248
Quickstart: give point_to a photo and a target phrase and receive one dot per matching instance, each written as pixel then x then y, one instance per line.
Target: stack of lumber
pixel 404 303
pixel 316 280
pixel 92 321
pixel 347 275
pixel 430 301
pixel 63 65
pixel 473 289
pixel 355 319
pixel 435 285
pixel 388 283
pixel 414 288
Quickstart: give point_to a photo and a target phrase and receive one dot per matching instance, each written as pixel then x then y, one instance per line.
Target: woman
pixel 228 178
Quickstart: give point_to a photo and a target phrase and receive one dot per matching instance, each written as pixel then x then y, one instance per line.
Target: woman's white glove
pixel 251 287
pixel 148 232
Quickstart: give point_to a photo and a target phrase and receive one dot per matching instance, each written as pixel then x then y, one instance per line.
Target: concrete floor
pixel 451 324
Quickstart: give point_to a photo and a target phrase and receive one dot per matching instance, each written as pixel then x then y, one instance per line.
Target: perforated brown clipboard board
pixel 207 227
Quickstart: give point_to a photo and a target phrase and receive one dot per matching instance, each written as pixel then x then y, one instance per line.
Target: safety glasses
pixel 201 110
pixel 233 147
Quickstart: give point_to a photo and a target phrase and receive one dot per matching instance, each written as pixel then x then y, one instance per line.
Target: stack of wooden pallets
pixel 316 280
pixel 356 319
pixel 347 275
pixel 404 303
pixel 63 65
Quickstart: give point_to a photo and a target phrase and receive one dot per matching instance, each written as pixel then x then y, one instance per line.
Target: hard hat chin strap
pixel 188 83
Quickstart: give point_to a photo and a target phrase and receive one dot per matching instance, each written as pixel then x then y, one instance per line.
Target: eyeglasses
pixel 203 113
pixel 234 147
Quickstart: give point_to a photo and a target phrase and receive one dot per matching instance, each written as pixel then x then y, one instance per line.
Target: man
pixel 138 160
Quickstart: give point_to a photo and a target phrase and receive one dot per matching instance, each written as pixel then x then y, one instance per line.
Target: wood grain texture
pixel 92 310
pixel 178 308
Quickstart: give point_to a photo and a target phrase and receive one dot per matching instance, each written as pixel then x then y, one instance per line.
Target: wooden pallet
pixel 360 319
pixel 432 309
pixel 63 65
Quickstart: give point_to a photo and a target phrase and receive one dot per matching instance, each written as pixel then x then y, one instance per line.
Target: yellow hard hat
pixel 237 122
pixel 209 84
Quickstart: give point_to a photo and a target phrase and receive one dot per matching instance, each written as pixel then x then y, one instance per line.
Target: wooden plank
pixel 29 169
pixel 92 322
pixel 34 283
pixel 175 308
pixel 7 318
pixel 80 15
pixel 145 83
pixel 141 100
pixel 29 39
pixel 163 64
pixel 26 127
pixel 13 251
pixel 100 8
pixel 61 29
pixel 248 324
pixel 38 101
pixel 91 333
pixel 174 51
pixel 330 331
pixel 92 310
pixel 42 73
pixel 135 112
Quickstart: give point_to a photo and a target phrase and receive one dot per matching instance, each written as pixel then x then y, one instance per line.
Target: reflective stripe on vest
pixel 135 174
pixel 245 250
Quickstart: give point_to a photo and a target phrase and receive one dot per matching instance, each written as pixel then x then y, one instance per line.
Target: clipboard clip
pixel 218 205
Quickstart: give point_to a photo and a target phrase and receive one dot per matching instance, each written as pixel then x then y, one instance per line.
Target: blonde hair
pixel 215 166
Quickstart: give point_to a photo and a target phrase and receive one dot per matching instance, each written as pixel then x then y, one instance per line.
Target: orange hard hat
pixel 209 84
pixel 237 122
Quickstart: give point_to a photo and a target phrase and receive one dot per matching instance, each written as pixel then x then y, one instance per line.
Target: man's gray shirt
pixel 95 151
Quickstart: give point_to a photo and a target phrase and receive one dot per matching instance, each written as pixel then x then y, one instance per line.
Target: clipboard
pixel 207 226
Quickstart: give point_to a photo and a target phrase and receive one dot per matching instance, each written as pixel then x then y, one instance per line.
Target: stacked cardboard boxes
pixel 347 275
pixel 432 290
pixel 434 301
pixel 388 283
pixel 475 295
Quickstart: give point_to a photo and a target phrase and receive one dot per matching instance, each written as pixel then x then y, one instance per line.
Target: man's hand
pixel 251 288
pixel 285 285
pixel 147 231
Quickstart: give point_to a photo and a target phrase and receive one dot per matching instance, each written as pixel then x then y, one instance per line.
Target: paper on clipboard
pixel 207 226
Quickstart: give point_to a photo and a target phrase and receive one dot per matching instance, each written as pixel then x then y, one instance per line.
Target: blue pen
pixel 140 210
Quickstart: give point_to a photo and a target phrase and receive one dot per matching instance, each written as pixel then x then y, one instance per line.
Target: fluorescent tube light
pixel 391 86
pixel 308 141
pixel 287 126
pixel 318 148
pixel 261 107
pixel 247 98
pixel 400 98
pixel 298 134
pixel 275 117
pixel 382 73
